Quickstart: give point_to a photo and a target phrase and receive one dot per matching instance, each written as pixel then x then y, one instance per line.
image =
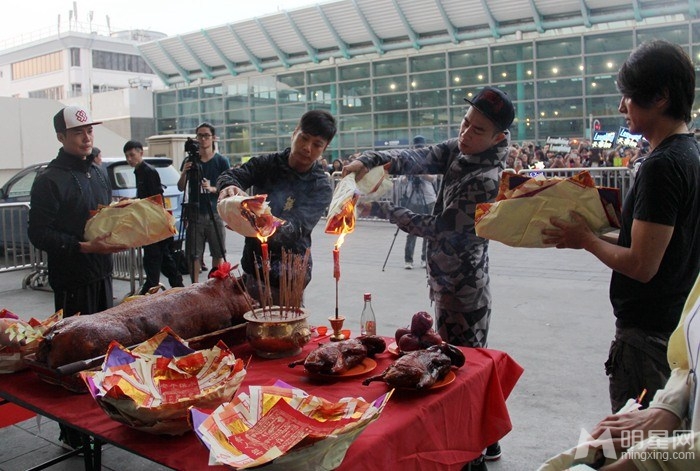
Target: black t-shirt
pixel 211 169
pixel 666 191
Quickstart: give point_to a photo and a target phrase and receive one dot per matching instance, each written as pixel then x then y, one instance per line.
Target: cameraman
pixel 200 171
pixel 419 196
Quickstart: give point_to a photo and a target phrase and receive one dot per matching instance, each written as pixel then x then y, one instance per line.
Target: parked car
pixel 17 188
pixel 121 178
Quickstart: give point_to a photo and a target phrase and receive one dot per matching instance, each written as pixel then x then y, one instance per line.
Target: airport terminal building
pixel 391 69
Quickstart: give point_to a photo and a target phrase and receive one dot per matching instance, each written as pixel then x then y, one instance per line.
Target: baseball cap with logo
pixel 72 117
pixel 495 105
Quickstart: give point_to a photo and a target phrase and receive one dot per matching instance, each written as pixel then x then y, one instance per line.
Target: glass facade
pixel 558 87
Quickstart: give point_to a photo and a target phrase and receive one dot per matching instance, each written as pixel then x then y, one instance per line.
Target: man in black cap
pixel 458 261
pixel 80 271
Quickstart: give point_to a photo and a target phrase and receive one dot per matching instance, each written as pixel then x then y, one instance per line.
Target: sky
pixel 31 17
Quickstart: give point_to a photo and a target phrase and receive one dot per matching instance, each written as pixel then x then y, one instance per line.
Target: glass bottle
pixel 368 323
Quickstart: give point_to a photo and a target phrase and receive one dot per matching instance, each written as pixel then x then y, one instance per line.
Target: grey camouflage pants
pixel 466 329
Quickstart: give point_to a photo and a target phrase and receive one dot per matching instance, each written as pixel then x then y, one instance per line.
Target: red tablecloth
pixel 441 429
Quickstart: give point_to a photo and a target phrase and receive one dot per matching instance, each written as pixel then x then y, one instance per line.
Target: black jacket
pixel 298 198
pixel 147 181
pixel 61 200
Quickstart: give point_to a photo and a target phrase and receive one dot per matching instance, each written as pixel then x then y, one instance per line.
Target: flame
pixel 341 239
pixel 343 222
pixel 265 225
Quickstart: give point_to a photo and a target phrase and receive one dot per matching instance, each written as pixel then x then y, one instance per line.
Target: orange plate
pixel 366 366
pixel 449 378
pixel 393 349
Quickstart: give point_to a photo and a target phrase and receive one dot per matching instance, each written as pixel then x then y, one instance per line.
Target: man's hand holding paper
pixel 250 216
pixel 566 234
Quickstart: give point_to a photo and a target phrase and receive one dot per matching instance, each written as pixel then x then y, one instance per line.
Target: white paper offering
pixel 151 387
pixel 250 216
pixel 284 424
pixel 341 212
pixel 19 338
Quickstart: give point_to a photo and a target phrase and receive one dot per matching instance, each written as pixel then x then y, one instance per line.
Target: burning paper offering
pixel 525 205
pixel 284 424
pixel 151 387
pixel 341 212
pixel 250 216
pixel 132 222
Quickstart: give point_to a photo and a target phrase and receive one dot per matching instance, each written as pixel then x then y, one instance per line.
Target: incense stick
pixel 292 282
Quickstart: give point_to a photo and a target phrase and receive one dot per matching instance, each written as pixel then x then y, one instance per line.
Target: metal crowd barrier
pixel 18 253
pixel 128 266
pixel 613 177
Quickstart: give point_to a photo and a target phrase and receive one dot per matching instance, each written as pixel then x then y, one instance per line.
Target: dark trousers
pixel 159 258
pixel 463 328
pixel 86 299
pixel 637 361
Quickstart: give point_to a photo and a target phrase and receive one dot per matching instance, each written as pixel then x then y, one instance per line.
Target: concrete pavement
pixel 550 313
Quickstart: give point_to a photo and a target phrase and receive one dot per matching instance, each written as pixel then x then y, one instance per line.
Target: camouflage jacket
pixel 457 259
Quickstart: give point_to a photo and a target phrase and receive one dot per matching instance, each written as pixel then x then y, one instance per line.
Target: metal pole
pixel 391 247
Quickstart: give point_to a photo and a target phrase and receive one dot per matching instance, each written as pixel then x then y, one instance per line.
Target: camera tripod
pixel 194 190
pixel 414 188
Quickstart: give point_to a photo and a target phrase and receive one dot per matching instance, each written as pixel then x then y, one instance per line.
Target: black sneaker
pixel 493 452
pixel 478 464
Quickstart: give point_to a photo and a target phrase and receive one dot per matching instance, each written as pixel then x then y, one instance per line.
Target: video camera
pixel 192 149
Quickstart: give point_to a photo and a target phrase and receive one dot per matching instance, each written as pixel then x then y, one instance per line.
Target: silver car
pixel 13 224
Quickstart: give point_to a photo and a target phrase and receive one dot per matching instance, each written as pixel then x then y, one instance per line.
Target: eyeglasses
pixel 203 136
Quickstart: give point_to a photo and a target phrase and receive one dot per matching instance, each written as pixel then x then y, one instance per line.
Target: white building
pixel 103 72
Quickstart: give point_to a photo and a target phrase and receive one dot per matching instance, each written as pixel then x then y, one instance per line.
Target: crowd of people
pixel 654 261
pixel 529 155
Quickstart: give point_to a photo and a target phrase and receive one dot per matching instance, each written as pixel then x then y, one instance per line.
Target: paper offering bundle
pixel 20 338
pixel 341 212
pixel 284 424
pixel 151 387
pixel 250 216
pixel 524 206
pixel 132 222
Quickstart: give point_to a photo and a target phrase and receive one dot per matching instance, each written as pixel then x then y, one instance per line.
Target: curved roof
pixel 347 28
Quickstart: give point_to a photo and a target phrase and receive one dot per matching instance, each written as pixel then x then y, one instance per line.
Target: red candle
pixel 265 255
pixel 336 263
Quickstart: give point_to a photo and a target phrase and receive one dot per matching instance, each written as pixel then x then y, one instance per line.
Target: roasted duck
pixel 421 369
pixel 338 357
